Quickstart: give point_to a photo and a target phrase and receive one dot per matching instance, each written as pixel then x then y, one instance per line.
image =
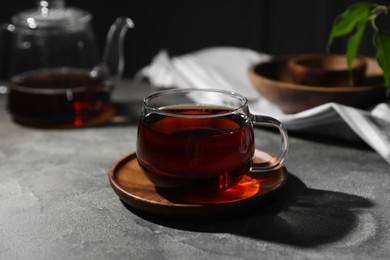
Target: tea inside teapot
pixel 57 76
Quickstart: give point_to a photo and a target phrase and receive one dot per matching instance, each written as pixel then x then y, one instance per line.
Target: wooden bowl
pixel 326 70
pixel 273 80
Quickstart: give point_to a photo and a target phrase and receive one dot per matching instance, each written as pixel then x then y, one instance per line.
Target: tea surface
pixel 206 152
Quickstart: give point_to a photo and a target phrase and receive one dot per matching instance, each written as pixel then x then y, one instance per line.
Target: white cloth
pixel 227 68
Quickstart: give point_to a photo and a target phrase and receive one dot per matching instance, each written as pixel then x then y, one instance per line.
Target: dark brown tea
pixel 209 153
pixel 51 97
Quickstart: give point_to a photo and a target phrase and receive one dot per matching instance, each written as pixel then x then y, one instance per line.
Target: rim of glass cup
pixel 162 109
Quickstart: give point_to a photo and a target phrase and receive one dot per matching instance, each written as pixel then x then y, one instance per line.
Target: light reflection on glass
pixel 31 23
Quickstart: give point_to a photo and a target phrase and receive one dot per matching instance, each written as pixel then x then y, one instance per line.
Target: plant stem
pixel 378 10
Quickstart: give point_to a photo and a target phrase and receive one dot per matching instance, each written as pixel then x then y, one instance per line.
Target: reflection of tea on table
pixel 208 153
pixel 57 96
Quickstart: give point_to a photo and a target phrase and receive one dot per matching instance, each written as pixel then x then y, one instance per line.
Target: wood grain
pixel 131 185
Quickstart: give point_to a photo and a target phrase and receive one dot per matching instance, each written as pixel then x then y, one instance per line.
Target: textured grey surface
pixel 56 201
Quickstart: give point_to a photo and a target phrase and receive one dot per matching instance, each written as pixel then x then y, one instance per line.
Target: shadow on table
pixel 298 216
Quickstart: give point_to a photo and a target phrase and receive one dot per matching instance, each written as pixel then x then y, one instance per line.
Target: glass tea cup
pixel 201 140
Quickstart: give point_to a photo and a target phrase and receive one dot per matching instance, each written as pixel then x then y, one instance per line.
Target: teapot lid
pixel 51 13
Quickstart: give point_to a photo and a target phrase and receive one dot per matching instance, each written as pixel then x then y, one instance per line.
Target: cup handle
pixel 278 159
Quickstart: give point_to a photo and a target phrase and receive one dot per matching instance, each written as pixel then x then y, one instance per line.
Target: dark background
pixel 276 27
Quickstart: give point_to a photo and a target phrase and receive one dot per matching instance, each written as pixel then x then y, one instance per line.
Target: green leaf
pixel 382 44
pixel 354 42
pixel 349 19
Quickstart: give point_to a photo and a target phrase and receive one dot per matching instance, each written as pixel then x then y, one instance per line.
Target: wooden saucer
pixel 132 186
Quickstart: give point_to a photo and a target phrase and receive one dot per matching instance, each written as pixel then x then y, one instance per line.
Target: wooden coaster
pixel 132 186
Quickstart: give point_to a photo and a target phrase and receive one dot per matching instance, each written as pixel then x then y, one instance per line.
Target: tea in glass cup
pixel 201 140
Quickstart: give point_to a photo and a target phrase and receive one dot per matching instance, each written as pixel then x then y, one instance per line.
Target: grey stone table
pixel 56 201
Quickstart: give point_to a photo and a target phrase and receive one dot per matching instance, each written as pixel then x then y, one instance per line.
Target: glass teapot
pixel 56 75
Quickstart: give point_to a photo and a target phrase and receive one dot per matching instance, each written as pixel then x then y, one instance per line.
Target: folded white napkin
pixel 227 67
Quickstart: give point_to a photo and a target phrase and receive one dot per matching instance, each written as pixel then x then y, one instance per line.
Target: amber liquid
pixel 57 97
pixel 204 153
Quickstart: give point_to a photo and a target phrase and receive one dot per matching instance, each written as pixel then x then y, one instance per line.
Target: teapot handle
pixel 113 58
